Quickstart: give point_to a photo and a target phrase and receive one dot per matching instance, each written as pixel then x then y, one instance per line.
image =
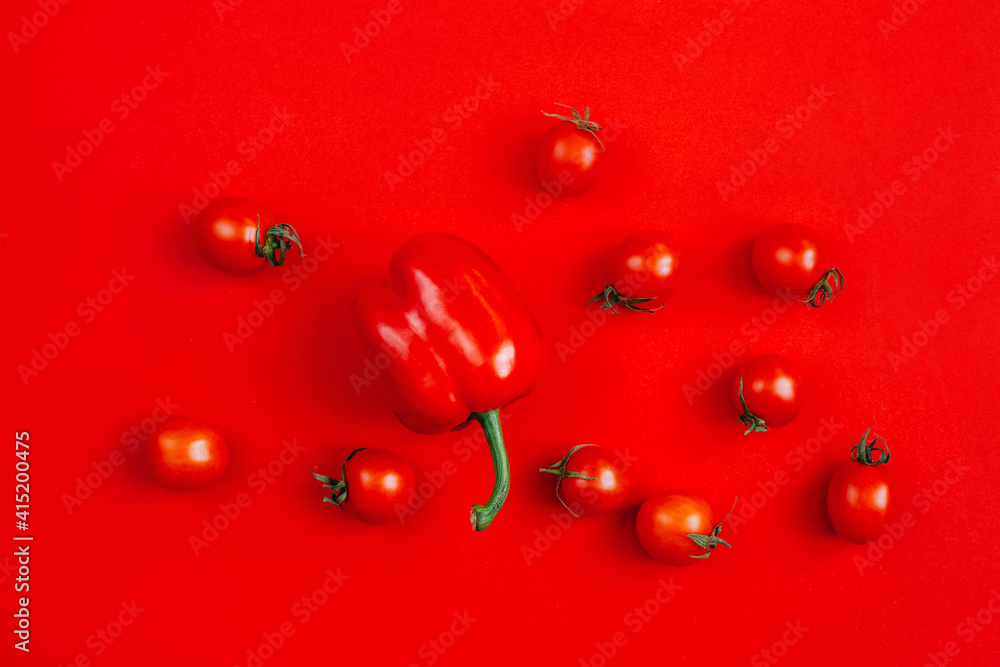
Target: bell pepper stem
pixel 483 515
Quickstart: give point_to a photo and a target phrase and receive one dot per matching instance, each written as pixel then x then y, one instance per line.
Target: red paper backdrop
pixel 690 92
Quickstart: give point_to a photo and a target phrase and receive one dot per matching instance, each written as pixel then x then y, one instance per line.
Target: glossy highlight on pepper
pixel 462 344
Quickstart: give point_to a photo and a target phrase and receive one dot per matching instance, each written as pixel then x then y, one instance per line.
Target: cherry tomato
pixel 372 483
pixel 858 498
pixel 184 454
pixel 590 480
pixel 768 390
pixel 570 152
pixel 644 267
pixel 676 528
pixel 787 259
pixel 227 234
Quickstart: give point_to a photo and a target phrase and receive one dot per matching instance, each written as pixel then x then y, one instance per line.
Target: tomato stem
pixel 483 515
pixel 829 286
pixel 339 486
pixel 582 123
pixel 712 540
pixel 277 240
pixel 749 419
pixel 862 452
pixel 559 469
pixel 611 297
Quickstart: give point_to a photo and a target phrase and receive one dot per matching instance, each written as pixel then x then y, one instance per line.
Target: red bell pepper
pixel 460 341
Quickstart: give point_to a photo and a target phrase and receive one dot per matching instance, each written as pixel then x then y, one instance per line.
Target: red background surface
pixel 682 130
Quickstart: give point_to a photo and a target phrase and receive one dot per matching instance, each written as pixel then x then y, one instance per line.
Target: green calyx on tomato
pixel 582 122
pixel 648 264
pixel 712 540
pixel 612 298
pixel 338 496
pixel 559 470
pixel 277 240
pixel 749 419
pixel 860 492
pixel 828 287
pixel 862 452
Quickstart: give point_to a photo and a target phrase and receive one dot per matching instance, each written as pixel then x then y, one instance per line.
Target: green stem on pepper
pixel 483 515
